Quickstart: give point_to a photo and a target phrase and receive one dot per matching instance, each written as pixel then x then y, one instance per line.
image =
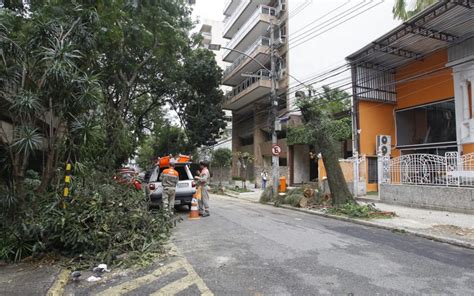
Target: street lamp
pixel 217 47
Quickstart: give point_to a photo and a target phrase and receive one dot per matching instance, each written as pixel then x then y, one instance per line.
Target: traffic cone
pixel 194 213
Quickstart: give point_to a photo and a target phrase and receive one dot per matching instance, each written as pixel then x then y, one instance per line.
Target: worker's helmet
pixel 172 163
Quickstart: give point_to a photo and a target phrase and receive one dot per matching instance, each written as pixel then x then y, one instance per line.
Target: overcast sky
pixel 329 49
pixel 209 9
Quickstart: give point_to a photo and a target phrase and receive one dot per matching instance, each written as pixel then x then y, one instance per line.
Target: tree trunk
pixel 48 170
pixel 318 124
pixel 337 183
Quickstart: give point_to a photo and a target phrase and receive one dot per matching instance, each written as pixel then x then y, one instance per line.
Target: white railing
pixel 251 22
pixel 259 75
pixel 428 169
pixel 262 41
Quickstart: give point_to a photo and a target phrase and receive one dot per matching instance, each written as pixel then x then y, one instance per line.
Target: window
pixel 247 141
pixel 282 161
pixel 373 170
pixel 427 124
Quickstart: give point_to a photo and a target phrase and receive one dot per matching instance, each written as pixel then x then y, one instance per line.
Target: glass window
pixel 428 124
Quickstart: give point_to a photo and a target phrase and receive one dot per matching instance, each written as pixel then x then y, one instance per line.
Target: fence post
pixel 356 174
pixel 453 168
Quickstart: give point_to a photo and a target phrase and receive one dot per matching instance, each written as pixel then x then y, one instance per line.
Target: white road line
pixel 189 280
pixel 140 281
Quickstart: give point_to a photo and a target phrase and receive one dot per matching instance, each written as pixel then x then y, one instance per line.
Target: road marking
pixel 192 278
pixel 140 281
pixel 57 289
pixel 187 281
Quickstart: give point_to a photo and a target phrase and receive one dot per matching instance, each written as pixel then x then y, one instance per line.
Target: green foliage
pixel 403 10
pixel 221 158
pixel 198 99
pixel 103 221
pixel 332 103
pixel 266 196
pixel 294 196
pixel 354 210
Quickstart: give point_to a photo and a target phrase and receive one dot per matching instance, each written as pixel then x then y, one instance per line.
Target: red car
pixel 128 177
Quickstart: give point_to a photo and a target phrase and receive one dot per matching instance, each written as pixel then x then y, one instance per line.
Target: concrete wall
pixel 301 164
pixel 432 197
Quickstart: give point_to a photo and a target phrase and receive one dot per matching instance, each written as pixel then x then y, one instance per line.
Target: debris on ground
pixel 453 230
pixel 93 278
pixel 75 275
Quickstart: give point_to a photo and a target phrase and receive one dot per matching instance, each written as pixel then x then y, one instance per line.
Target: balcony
pixel 255 27
pixel 244 64
pixel 230 6
pixel 237 17
pixel 249 91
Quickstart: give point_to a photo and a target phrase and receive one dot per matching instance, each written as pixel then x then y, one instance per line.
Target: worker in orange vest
pixel 169 179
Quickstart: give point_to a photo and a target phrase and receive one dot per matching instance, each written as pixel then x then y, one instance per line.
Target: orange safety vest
pixel 171 172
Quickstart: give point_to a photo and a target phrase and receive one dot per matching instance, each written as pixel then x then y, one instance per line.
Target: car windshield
pixel 183 175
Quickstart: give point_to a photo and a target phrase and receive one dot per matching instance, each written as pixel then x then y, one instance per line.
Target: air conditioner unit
pixel 383 145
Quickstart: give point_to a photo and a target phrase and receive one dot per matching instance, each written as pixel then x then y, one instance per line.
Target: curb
pixel 446 240
pixel 57 289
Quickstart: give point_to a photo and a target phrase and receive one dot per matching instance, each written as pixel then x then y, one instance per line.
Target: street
pixel 245 248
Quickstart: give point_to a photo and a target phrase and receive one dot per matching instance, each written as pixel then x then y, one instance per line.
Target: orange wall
pixel 429 88
pixel 378 118
pixel 374 119
pixel 468 148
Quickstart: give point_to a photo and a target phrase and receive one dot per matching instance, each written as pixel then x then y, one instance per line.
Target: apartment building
pixel 247 27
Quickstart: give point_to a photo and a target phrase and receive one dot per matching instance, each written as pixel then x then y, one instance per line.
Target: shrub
pixel 102 221
pixel 266 196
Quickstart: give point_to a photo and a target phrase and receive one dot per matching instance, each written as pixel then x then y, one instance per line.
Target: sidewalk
pixel 27 279
pixel 454 226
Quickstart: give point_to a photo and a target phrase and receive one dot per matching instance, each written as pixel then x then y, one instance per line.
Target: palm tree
pixel 403 9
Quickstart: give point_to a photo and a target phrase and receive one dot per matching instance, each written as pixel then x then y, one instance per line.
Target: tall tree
pixel 318 128
pixel 198 99
pixel 46 81
pixel 403 9
pixel 141 45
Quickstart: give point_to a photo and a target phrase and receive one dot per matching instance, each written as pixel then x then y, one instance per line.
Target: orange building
pixel 415 85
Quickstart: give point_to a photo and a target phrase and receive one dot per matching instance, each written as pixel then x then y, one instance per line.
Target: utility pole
pixel 274 103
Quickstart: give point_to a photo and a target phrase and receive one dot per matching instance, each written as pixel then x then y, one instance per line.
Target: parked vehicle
pixel 128 177
pixel 185 188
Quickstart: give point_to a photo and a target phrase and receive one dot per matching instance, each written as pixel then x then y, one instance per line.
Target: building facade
pixel 415 86
pixel 247 27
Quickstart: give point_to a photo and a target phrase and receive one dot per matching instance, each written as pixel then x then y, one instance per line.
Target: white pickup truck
pixel 185 188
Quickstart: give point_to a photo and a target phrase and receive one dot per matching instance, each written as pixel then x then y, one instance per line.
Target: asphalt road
pixel 251 249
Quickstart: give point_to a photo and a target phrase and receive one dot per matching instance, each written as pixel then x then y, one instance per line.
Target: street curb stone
pixel 446 240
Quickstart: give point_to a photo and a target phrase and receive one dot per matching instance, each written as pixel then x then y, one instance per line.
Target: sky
pixel 209 9
pixel 329 49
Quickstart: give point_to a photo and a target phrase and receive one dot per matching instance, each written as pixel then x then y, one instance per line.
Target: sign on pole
pixel 276 150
